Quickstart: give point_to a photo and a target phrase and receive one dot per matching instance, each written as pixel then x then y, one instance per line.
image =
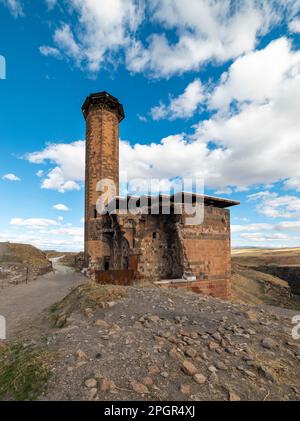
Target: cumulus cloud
pixel 251 137
pixel 68 172
pixel 254 126
pixel 11 177
pixel 103 28
pixel 206 30
pixel 183 106
pixel 56 181
pixel 181 38
pixel 15 7
pixel 258 76
pixel 61 207
pixel 294 26
pixel 257 126
pixel 273 205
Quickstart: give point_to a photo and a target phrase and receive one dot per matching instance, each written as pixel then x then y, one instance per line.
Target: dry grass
pixel 23 372
pixel 255 287
pixel 262 257
pixel 22 253
pixel 89 295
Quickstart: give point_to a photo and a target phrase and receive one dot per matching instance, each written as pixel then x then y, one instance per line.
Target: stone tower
pixel 102 113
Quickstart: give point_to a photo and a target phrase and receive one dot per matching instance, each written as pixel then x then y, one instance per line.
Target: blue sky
pixel 209 89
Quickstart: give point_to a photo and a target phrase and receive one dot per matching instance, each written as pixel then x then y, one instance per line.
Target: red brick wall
pixel 208 254
pixel 220 289
pixel 102 162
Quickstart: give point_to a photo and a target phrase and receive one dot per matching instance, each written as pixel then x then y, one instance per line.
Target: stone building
pixel 148 246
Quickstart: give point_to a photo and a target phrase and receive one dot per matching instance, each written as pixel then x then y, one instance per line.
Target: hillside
pixel 21 262
pixel 126 343
pixel 264 257
pixel 254 279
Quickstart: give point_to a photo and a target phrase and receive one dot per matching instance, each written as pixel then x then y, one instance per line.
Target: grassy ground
pixel 22 253
pixel 262 257
pixel 24 371
pixel 254 287
pixel 88 296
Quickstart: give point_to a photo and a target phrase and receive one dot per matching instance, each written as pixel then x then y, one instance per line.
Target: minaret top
pixel 103 98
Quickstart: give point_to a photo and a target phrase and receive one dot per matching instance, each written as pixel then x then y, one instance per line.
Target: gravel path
pixel 24 302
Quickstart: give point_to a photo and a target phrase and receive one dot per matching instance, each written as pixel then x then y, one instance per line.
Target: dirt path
pixel 24 302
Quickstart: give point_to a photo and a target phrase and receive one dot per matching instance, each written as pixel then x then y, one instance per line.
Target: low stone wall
pixel 220 289
pixel 18 273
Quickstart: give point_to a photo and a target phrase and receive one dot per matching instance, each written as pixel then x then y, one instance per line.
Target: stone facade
pixel 146 247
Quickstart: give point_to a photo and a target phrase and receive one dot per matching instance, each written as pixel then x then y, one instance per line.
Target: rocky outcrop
pixel 290 274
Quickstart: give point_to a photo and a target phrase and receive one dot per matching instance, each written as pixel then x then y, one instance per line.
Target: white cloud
pixel 65 40
pixel 45 50
pixel 282 234
pixel 292 183
pixel 294 26
pixel 11 177
pixel 60 218
pixel 44 234
pixel 15 7
pixel 61 207
pixel 251 227
pixel 258 76
pixel 205 30
pixel 259 237
pixel 273 205
pixel 33 222
pixel 225 190
pixel 288 226
pixel 69 169
pixel 55 181
pixel 183 106
pixel 261 127
pixel 40 173
pixel 251 138
pixel 182 38
pixel 102 29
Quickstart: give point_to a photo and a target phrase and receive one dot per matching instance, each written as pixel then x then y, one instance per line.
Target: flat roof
pixel 175 198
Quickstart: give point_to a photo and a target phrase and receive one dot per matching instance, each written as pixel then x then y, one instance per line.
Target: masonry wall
pixel 162 247
pixel 159 257
pixel 102 162
pixel 166 248
pixel 207 251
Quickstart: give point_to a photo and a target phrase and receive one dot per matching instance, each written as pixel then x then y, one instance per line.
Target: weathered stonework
pixel 147 248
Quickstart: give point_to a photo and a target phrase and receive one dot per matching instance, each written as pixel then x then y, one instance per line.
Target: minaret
pixel 102 113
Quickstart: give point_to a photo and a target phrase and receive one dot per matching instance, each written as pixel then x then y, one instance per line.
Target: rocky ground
pixel 114 343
